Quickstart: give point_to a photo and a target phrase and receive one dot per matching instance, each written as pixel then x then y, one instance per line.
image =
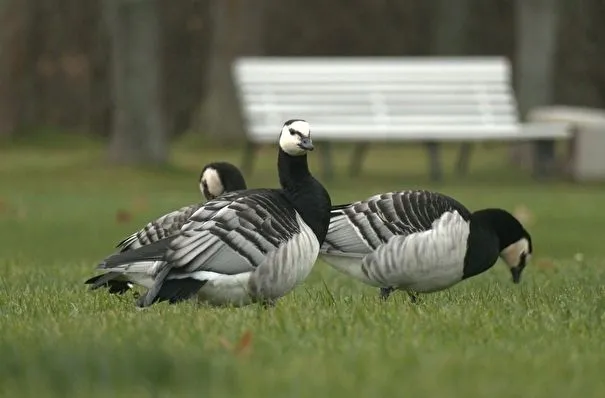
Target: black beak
pixel 516 271
pixel 306 144
pixel 207 193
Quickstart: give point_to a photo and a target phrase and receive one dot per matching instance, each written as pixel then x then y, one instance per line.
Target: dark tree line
pixel 61 60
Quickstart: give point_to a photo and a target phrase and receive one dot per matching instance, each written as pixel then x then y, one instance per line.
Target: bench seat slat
pixel 388 98
pixel 367 78
pixel 461 88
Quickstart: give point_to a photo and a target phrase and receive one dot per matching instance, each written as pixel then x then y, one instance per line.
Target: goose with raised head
pixel 215 179
pixel 246 246
pixel 421 242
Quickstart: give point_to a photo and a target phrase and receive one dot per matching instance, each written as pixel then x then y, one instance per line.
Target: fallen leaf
pixel 123 216
pixel 140 203
pixel 242 347
pixel 22 212
pixel 545 263
pixel 244 344
pixel 225 343
pixel 4 206
pixel 75 65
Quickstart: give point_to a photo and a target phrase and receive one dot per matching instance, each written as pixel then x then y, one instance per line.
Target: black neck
pixel 501 223
pixel 308 196
pixel 293 171
pixel 234 183
pixel 483 247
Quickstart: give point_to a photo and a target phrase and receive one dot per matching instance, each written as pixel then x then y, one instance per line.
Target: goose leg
pixel 266 304
pixel 385 292
pixel 140 300
pixel 413 297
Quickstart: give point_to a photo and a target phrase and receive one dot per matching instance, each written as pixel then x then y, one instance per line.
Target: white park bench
pixel 384 99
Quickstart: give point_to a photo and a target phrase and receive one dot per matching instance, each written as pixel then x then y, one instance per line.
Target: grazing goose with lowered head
pixel 242 247
pixel 421 241
pixel 215 179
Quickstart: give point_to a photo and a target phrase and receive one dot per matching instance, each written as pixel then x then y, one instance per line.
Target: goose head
pixel 295 138
pixel 516 246
pixel 517 255
pixel 220 177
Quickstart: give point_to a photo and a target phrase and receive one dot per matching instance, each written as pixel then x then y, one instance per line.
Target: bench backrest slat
pixel 388 96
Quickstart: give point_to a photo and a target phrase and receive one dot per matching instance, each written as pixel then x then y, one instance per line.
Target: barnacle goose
pixel 242 247
pixel 215 178
pixel 420 241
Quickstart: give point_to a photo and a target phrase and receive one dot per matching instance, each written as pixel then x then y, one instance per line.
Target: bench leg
pixel 359 152
pixel 434 161
pixel 249 155
pixel 543 158
pixel 463 158
pixel 326 160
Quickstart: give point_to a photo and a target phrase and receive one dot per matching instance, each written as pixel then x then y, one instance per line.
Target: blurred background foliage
pixel 56 58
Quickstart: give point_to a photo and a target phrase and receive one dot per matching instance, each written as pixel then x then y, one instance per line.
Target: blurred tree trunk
pixel 237 30
pixel 536 33
pixel 138 133
pixel 449 39
pixel 186 36
pixel 580 76
pixel 11 19
pixel 450 27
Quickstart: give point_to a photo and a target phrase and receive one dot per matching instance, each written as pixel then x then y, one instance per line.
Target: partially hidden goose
pixel 420 241
pixel 215 179
pixel 242 247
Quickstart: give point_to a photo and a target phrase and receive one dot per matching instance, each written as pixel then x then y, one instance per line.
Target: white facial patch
pixel 213 182
pixel 289 142
pixel 512 253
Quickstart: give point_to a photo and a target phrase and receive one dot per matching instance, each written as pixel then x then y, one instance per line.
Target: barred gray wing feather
pixel 406 261
pixel 361 227
pixel 233 234
pixel 163 227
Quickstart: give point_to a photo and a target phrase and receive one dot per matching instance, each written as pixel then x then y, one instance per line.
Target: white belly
pixel 280 272
pixel 416 263
pixel 431 280
pixel 287 267
pixel 223 290
pixel 350 266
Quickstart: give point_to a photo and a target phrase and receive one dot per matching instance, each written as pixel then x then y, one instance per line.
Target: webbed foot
pixel 385 292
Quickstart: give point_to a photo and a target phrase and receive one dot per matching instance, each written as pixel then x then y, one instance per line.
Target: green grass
pixel 331 337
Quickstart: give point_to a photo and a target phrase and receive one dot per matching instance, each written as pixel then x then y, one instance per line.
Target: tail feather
pixel 151 296
pixel 109 280
pixel 127 242
pixel 173 291
pixel 152 252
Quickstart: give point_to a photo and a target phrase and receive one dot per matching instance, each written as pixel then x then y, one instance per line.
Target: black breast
pixel 313 203
pixel 481 251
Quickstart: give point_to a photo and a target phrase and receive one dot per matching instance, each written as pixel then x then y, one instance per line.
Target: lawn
pixel 62 209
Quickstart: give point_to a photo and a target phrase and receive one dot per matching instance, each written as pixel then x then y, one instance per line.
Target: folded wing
pixel 229 235
pixel 361 227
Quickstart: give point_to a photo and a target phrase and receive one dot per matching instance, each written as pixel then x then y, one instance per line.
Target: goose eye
pixel 522 259
pixel 292 131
